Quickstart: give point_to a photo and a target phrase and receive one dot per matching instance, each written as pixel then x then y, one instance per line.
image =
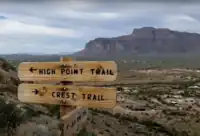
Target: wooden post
pixel 65 109
pixel 39 73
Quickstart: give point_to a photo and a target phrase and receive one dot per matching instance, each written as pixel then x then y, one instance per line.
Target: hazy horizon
pixel 36 53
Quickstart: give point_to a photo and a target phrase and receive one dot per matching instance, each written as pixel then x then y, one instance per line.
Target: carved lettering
pixel 92 97
pixel 63 94
pixel 68 71
pixel 77 119
pixel 101 72
pixel 47 71
pixel 53 94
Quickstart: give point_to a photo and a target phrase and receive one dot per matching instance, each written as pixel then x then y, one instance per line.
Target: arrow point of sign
pixel 32 69
pixel 36 91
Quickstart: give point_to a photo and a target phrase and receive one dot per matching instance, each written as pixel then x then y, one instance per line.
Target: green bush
pixel 83 132
pixel 33 129
pixel 42 125
pixel 6 65
pixel 1 78
pixel 10 117
pixel 54 110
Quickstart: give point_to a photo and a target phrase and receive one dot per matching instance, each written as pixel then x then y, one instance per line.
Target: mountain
pixel 146 40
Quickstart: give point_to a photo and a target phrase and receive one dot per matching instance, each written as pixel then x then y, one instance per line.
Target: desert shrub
pixel 152 125
pixel 1 78
pixel 46 120
pixel 129 118
pixel 120 89
pixel 186 93
pixel 83 132
pixel 94 113
pixel 54 110
pixel 33 129
pixel 174 113
pixel 29 112
pixel 39 126
pixel 6 65
pixel 15 81
pixel 117 115
pixel 10 117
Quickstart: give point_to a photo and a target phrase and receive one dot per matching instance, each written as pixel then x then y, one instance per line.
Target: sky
pixel 65 26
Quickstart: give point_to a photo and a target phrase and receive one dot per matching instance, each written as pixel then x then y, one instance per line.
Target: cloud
pixel 16 27
pixel 60 26
pixel 2 17
pixel 88 15
pixel 37 44
pixel 182 23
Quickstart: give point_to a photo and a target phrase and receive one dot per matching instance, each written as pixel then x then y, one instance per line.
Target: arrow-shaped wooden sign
pixel 68 71
pixel 84 96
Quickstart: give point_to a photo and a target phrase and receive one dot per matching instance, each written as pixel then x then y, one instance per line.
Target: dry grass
pixel 39 126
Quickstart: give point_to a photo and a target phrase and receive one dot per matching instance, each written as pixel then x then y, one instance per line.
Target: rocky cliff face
pixel 144 41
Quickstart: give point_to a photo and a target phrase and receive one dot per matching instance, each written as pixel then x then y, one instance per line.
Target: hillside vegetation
pixel 151 101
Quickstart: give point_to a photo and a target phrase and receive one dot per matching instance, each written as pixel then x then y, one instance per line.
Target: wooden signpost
pixel 63 108
pixel 73 100
pixel 66 109
pixel 75 120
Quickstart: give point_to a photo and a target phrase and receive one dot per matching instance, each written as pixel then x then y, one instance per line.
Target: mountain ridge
pixel 145 40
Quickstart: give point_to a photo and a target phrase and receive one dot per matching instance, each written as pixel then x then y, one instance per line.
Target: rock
pixel 193 87
pixel 144 41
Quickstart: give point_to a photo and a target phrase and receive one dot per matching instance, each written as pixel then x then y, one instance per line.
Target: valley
pixel 150 102
pixel 154 102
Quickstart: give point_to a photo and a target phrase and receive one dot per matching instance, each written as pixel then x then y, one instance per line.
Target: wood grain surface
pixel 68 71
pixel 74 120
pixel 85 96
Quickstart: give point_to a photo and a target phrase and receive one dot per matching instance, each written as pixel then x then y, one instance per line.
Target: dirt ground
pixel 151 103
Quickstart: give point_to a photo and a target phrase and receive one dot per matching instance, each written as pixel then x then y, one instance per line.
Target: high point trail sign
pixel 68 71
